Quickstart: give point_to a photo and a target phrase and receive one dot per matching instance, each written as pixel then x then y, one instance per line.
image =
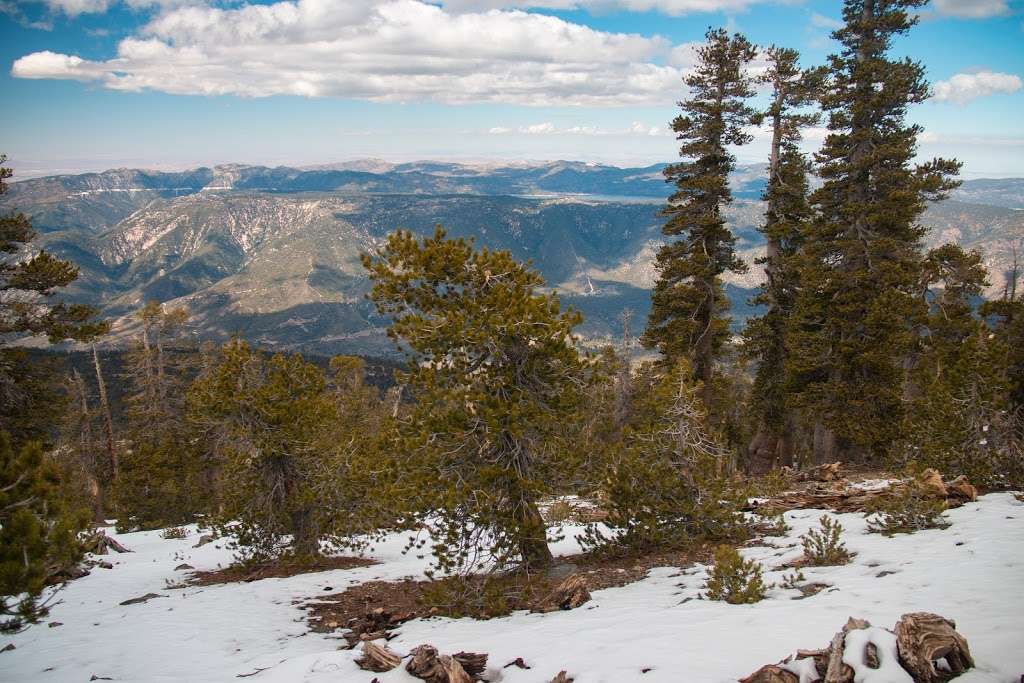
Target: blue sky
pixel 94 84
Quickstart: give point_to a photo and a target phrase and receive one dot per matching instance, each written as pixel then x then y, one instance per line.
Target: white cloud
pixel 821 21
pixel 381 50
pixel 972 9
pixel 962 88
pixel 539 129
pixel 500 130
pixel 670 7
pixel 73 8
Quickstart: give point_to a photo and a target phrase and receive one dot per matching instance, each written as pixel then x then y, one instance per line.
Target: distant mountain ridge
pixel 273 253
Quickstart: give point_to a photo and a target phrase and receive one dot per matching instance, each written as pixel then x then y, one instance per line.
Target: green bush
pixel 733 579
pixel 823 547
pixel 909 509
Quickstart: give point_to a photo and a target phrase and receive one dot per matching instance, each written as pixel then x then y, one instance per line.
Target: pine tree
pixel 494 376
pixel 860 267
pixel 162 481
pixel 290 482
pixel 788 211
pixel 687 318
pixel 37 530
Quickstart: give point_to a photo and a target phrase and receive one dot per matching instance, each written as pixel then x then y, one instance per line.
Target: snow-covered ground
pixel 972 572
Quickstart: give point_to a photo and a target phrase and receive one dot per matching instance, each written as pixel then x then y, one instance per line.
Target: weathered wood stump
pixel 562 677
pixel 474 663
pixel 377 658
pixel 99 544
pixel 923 638
pixel 771 674
pixel 569 594
pixel 427 665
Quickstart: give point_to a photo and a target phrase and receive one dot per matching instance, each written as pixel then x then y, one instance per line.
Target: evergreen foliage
pixel 735 580
pixel 860 265
pixel 824 547
pixel 494 377
pixel 687 318
pixel 38 526
pixel 165 478
pixel 664 485
pixel 38 530
pixel 289 485
pixel 787 214
pixel 912 508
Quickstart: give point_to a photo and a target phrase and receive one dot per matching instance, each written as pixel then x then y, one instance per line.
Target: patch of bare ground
pixel 277 569
pixel 370 610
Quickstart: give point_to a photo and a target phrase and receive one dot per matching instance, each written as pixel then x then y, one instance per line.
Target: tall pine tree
pixel 788 212
pixel 687 318
pixel 861 265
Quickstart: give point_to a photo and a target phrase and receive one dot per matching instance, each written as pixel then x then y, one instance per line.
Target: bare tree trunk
pixel 623 390
pixel 824 443
pixel 87 458
pixel 108 420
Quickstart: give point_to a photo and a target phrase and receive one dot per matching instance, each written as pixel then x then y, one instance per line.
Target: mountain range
pixel 272 254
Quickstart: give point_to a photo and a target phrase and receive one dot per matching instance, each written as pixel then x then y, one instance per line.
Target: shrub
pixel 793 579
pixel 733 579
pixel 774 523
pixel 822 547
pixel 907 510
pixel 174 532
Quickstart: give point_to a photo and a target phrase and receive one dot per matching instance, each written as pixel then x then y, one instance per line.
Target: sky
pixel 97 84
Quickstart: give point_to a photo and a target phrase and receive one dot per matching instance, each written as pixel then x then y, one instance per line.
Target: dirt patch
pixel 376 607
pixel 245 573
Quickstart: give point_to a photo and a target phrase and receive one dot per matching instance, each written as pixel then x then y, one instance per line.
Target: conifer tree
pixel 788 211
pixel 37 528
pixel 687 318
pixel 494 377
pixel 162 480
pixel 861 264
pixel 290 483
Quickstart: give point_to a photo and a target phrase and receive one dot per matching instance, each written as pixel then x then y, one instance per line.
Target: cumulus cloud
pixel 962 88
pixel 380 50
pixel 73 8
pixel 548 128
pixel 670 7
pixel 971 9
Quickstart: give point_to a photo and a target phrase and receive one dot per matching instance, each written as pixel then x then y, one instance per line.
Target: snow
pixel 805 669
pixel 888 669
pixel 972 572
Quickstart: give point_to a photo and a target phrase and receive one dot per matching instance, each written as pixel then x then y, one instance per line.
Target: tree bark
pixel 533 542
pixel 108 420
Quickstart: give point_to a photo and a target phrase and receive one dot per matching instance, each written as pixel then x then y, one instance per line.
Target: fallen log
pixel 922 639
pixel 852 499
pixel 377 658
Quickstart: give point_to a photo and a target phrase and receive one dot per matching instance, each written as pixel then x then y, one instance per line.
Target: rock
pixel 55 624
pixel 771 674
pixel 922 638
pixel 517 662
pixel 962 490
pixel 105 565
pixel 203 540
pixel 9 647
pixel 183 567
pixel 145 598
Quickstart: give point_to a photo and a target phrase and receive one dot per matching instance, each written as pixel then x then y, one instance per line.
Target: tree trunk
pixel 824 448
pixel 86 455
pixel 533 542
pixel 305 536
pixel 108 420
